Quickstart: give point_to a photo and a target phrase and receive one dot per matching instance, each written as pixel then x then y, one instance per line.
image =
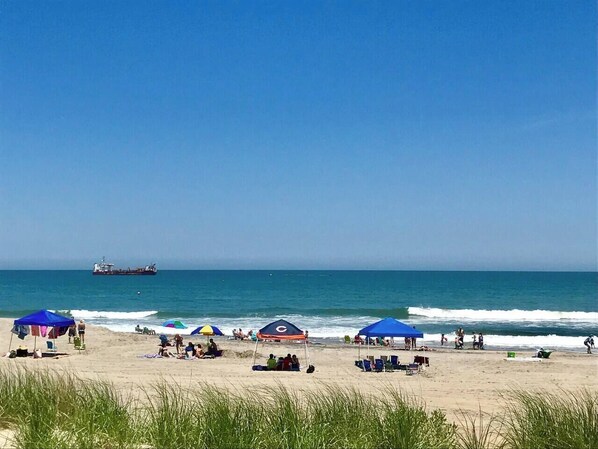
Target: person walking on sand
pixel 81 331
pixel 443 340
pixel 589 343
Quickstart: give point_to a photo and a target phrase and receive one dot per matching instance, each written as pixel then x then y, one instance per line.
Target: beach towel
pixel 523 359
pixel 35 331
pixel 150 356
pixel 21 331
pixel 43 330
pixel 56 332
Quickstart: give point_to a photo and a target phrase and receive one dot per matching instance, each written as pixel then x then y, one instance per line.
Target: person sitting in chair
pixel 286 363
pixel 295 366
pixel 189 349
pixel 212 348
pixel 271 363
pixel 138 329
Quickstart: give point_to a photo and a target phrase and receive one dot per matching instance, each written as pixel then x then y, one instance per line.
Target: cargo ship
pixel 107 269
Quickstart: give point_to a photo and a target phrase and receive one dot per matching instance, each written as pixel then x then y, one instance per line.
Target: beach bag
pixel 310 369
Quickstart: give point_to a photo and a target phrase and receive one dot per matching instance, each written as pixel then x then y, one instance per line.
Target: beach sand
pixel 456 381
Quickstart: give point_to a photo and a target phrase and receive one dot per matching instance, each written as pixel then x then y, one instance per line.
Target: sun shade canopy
pixel 281 330
pixel 45 318
pixel 389 327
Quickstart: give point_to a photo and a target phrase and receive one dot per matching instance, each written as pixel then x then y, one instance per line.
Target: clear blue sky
pixel 343 134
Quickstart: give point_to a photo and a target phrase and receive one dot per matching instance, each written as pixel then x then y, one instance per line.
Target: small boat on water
pixel 107 269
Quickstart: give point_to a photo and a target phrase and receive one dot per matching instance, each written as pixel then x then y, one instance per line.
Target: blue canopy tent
pixel 280 330
pixel 43 318
pixel 389 327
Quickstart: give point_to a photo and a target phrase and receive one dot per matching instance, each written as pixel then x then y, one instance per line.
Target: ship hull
pixel 125 273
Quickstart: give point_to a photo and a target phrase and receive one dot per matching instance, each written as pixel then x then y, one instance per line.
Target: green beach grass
pixel 53 410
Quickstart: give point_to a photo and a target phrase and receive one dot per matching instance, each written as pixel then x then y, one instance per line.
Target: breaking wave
pixel 502 315
pixel 94 314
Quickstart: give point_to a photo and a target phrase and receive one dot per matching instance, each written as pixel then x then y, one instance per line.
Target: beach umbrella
pixel 207 330
pixel 176 324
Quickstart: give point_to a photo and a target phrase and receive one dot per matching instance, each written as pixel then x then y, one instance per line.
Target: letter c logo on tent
pixel 281 329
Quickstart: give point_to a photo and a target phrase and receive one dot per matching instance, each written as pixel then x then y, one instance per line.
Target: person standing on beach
pixel 72 331
pixel 178 340
pixel 81 331
pixel 443 340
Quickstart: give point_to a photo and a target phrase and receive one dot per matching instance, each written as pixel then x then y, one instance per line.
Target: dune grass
pixel 565 421
pixel 63 411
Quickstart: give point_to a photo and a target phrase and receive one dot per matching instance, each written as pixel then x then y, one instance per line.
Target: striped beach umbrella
pixel 207 330
pixel 176 324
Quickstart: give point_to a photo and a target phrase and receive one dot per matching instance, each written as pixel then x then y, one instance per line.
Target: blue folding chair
pixel 379 365
pixel 367 365
pixel 394 360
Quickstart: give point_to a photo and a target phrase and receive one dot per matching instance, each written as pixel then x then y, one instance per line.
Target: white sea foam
pixel 94 314
pixel 510 341
pixel 336 327
pixel 491 341
pixel 503 315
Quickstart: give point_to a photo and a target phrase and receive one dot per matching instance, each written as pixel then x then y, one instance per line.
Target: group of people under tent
pixel 288 363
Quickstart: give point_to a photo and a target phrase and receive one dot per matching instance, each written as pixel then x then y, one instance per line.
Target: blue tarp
pixel 389 327
pixel 45 318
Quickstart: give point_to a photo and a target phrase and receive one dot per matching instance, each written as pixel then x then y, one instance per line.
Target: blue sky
pixel 375 135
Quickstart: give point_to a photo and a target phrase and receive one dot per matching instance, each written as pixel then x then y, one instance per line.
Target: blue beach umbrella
pixel 176 324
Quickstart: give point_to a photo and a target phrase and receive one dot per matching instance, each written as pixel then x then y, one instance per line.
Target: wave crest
pixel 503 315
pixel 90 314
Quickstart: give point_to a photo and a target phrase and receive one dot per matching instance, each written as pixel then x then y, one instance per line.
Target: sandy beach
pixel 455 382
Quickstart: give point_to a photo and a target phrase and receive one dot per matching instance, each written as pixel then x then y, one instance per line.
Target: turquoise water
pixel 512 308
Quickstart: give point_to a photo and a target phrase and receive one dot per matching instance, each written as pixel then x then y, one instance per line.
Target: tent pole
pixel 10 343
pixel 35 343
pixel 257 341
pixel 306 353
pixel 359 349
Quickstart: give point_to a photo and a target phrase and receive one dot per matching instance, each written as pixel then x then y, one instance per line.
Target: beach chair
pixel 367 365
pixel 372 360
pixel 378 365
pixel 421 360
pixel 384 358
pixel 544 354
pixel 359 364
pixel 388 367
pixel 412 368
pixel 347 340
pixel 394 360
pixel 78 345
pixel 52 346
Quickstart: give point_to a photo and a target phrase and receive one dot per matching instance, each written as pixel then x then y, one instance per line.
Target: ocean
pixel 512 309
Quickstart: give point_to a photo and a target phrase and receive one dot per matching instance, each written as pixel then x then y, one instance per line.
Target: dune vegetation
pixel 52 410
